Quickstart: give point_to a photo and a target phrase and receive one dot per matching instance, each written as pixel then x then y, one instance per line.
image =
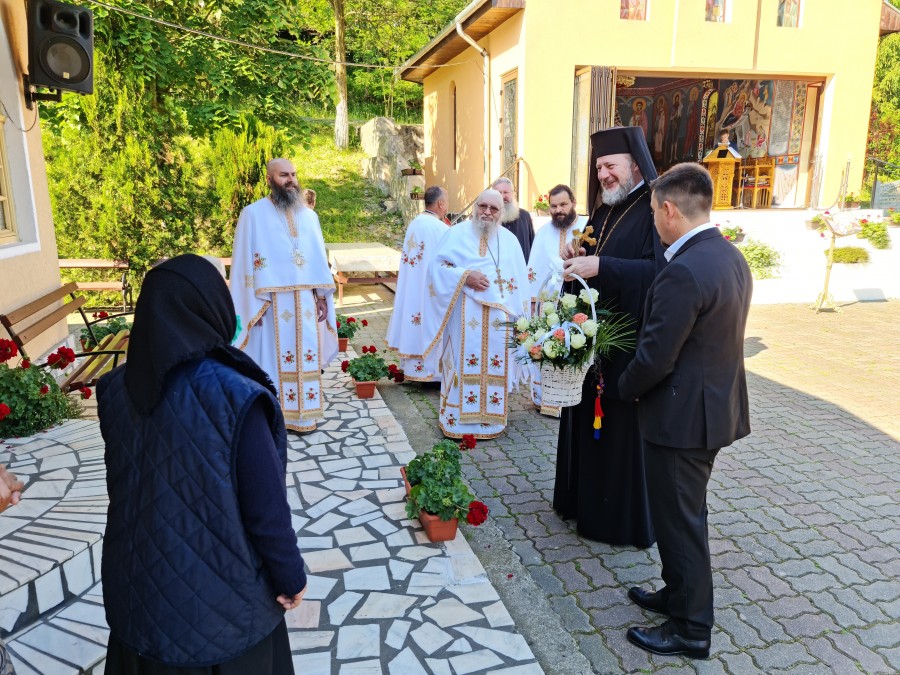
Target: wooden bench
pixel 121 286
pixel 29 321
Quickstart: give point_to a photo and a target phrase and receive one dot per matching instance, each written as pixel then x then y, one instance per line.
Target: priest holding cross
pixel 478 285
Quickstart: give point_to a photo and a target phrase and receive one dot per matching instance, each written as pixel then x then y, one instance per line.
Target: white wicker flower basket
pixel 562 386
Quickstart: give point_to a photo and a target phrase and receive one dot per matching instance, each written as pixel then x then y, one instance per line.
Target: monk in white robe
pixel 283 295
pixel 477 283
pixel 545 268
pixel 412 303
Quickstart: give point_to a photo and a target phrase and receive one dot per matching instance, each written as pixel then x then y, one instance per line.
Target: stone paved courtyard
pixel 804 527
pixel 804 513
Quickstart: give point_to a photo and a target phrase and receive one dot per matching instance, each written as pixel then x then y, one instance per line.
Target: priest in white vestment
pixel 283 295
pixel 545 268
pixel 412 303
pixel 477 282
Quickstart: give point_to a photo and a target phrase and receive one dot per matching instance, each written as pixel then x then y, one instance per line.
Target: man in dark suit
pixel 688 376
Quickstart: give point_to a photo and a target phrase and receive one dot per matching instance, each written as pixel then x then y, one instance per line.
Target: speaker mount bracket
pixel 31 95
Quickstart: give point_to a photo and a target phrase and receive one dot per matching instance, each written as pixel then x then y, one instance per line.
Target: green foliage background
pixel 172 144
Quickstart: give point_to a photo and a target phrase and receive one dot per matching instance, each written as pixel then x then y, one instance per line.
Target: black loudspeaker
pixel 60 46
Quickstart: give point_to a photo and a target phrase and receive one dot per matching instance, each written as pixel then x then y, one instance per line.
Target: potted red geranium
pixel 437 495
pixel 367 369
pixel 347 326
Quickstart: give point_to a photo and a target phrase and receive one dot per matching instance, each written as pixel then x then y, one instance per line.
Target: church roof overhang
pixel 890 19
pixel 478 19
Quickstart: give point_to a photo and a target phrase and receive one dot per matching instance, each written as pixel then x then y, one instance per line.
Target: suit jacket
pixel 688 370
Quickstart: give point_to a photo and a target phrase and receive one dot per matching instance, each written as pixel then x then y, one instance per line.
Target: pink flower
pixel 580 318
pixel 559 334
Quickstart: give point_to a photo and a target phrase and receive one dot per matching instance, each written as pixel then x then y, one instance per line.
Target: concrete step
pixel 50 543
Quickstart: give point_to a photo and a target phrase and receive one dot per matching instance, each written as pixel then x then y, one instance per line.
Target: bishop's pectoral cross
pixel 299 260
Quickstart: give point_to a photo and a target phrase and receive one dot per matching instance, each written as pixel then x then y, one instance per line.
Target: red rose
pixel 365 323
pixel 338 324
pixel 372 349
pixel 85 392
pixel 398 376
pixel 392 368
pixel 468 441
pixel 45 390
pixel 104 315
pixel 351 320
pixel 344 366
pixel 25 363
pixel 53 359
pixel 365 350
pixel 4 410
pixel 477 514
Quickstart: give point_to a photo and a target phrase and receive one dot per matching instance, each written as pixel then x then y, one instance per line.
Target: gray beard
pixel 487 228
pixel 285 198
pixel 617 195
pixel 510 211
pixel 570 218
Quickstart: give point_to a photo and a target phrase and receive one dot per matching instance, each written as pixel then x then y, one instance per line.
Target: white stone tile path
pixel 380 599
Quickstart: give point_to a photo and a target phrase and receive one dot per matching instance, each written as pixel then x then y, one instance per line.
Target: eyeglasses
pixel 487 207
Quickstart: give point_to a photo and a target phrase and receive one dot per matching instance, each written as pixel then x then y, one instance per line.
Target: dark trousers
pixel 676 485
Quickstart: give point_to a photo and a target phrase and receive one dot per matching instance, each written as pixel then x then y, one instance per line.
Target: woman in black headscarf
pixel 200 560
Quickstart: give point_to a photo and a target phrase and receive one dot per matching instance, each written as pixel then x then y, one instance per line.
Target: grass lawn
pixel 349 207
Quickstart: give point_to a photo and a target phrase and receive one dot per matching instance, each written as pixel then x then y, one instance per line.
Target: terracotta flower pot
pixel 365 389
pixel 437 529
pixel 342 344
pixel 405 480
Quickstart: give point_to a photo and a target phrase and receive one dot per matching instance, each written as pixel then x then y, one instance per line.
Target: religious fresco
pixel 635 112
pixel 672 120
pixel 715 10
pixel 683 120
pixel 636 10
pixel 789 13
pixel 745 111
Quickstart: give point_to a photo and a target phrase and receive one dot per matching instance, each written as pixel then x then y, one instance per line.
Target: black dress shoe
pixel 664 640
pixel 653 601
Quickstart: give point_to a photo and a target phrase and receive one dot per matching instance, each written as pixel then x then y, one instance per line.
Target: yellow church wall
pixel 833 43
pixel 28 263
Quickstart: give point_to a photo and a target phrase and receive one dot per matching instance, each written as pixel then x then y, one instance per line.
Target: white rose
pixel 522 323
pixel 585 296
pixel 568 300
pixel 539 333
pixel 589 327
pixel 548 308
pixel 553 319
pixel 577 341
pixel 549 349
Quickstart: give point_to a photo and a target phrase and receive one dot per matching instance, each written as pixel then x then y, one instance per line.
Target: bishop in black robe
pixel 601 482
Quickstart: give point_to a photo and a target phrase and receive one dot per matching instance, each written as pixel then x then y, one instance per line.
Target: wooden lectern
pixel 723 163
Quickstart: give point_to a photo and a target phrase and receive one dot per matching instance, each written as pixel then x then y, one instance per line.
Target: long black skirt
pixel 601 483
pixel 272 656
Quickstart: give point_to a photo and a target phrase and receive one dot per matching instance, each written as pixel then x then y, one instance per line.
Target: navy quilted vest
pixel 181 583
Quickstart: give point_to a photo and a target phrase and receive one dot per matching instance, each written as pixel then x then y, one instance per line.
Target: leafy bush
pixel 762 258
pixel 437 485
pixel 113 326
pixel 876 233
pixel 850 254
